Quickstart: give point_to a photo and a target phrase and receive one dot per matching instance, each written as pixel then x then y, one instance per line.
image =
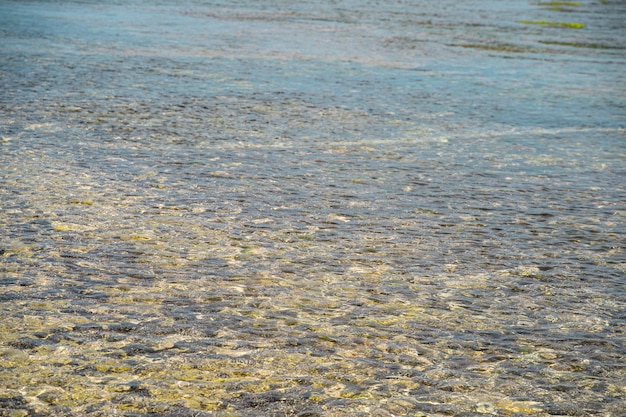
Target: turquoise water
pixel 318 209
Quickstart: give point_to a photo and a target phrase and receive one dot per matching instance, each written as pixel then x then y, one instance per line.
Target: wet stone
pixel 122 327
pixel 26 343
pixel 12 402
pixel 137 349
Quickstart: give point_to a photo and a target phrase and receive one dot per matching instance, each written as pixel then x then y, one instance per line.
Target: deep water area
pixel 334 208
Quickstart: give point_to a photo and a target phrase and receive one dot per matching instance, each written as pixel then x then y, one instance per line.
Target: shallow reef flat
pixel 312 209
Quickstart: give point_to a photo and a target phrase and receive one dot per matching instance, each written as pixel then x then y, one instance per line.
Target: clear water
pixel 335 208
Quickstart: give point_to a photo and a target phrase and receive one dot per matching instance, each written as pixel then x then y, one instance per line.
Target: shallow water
pixel 333 208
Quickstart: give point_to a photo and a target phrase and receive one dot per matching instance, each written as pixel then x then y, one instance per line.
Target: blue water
pixel 334 208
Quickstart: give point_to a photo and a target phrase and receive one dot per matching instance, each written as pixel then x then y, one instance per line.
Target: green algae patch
pixel 498 48
pixel 71 227
pixel 586 45
pixel 553 24
pixel 559 6
pixel 508 407
pixel 126 238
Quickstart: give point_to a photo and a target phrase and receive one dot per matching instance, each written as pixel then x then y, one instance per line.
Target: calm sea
pixel 333 208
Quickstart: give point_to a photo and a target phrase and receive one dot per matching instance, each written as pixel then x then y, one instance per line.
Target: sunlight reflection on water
pixel 279 208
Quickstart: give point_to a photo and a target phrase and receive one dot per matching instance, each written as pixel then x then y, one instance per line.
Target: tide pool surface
pixel 334 208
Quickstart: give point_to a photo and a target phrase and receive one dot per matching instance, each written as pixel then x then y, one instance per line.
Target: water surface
pixel 345 208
